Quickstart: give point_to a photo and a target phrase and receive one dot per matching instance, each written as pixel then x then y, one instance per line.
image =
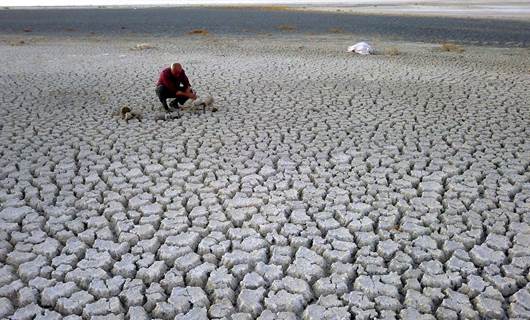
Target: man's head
pixel 176 69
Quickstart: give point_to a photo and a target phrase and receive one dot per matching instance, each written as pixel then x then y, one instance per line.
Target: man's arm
pixel 166 80
pixel 185 80
pixel 187 87
pixel 183 94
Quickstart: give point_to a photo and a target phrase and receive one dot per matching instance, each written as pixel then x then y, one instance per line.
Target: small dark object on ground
pixel 202 32
pixel 126 113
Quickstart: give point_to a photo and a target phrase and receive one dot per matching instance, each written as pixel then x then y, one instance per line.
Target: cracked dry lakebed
pixel 327 186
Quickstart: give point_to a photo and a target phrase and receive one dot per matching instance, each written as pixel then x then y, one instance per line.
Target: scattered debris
pixel 206 103
pixel 201 32
pixel 167 116
pixel 17 43
pixel 126 113
pixel 143 46
pixel 361 48
pixel 451 47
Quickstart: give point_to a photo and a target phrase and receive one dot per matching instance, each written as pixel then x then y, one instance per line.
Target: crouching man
pixel 173 83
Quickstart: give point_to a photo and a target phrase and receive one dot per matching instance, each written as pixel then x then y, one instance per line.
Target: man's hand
pixel 190 94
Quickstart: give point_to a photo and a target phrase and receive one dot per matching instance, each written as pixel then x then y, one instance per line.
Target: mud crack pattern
pixel 328 186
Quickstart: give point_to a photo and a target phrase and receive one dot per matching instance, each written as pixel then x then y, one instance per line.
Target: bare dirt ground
pixel 328 185
pixel 481 9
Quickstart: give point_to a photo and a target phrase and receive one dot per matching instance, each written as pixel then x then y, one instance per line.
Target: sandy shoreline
pixel 482 9
pixel 502 13
pixel 328 184
pixel 479 9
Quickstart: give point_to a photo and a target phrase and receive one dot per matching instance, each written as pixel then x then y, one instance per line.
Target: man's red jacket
pixel 168 80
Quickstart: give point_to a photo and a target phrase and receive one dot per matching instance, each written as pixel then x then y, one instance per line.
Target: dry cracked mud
pixel 328 186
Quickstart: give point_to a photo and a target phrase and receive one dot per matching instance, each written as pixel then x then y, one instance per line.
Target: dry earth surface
pixel 328 186
pixel 491 9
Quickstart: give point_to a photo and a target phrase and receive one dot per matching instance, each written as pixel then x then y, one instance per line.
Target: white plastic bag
pixel 361 48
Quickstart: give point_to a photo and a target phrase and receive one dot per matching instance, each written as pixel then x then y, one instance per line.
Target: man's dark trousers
pixel 164 93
